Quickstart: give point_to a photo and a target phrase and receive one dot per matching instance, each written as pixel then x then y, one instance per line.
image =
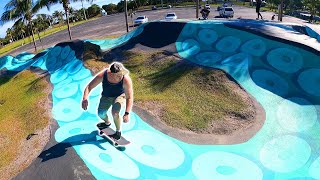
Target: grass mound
pixel 183 95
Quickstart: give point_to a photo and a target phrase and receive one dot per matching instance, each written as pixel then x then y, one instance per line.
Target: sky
pixel 56 7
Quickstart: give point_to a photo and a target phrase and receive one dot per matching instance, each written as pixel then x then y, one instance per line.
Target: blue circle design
pixel 228 44
pixel 296 114
pixel 254 47
pixel 189 30
pixel 76 131
pixel 285 60
pixel 67 110
pixel 74 66
pixel 82 74
pixel 208 58
pixel 167 155
pixel 55 52
pixel 224 166
pixel 314 169
pixel 92 154
pixel 236 60
pixel 308 81
pixel 58 76
pixel 65 52
pixel 62 83
pixel 270 81
pixel 189 48
pixel 66 91
pixel 207 36
pixel 285 154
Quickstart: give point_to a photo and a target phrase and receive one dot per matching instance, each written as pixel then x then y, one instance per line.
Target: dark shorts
pixel 116 102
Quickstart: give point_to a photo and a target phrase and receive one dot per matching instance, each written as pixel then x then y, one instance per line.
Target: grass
pixel 43 34
pixel 190 97
pixel 20 111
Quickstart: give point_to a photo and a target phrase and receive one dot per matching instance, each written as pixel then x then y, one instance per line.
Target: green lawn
pixel 190 97
pixel 21 111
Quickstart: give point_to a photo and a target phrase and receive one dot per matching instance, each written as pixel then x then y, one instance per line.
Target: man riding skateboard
pixel 117 92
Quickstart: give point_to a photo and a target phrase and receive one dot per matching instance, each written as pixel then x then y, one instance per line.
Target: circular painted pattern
pixel 189 30
pixel 314 169
pixel 65 52
pixel 51 64
pixel 66 91
pixel 55 52
pixel 82 74
pixel 285 60
pixel 67 110
pixel 70 57
pixel 236 60
pixel 208 58
pixel 228 44
pixel 296 114
pixel 189 48
pixel 109 160
pixel 309 81
pixel 154 150
pixel 76 131
pixel 224 166
pixel 254 47
pixel 74 66
pixel 270 81
pixel 58 76
pixel 207 36
pixel 285 154
pixel 62 83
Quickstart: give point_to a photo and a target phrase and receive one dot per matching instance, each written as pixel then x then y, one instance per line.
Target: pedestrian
pixel 258 6
pixel 117 92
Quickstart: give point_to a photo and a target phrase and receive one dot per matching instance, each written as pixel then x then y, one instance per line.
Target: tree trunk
pixel 126 14
pixel 84 11
pixel 69 30
pixel 34 42
pixel 39 36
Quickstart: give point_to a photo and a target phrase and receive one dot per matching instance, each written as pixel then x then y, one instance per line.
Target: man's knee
pixel 115 113
pixel 102 113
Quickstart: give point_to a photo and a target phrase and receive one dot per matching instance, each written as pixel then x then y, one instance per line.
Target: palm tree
pixel 20 10
pixel 20 29
pixel 84 11
pixel 65 4
pixel 10 34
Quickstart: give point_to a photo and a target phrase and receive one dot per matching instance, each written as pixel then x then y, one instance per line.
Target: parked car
pixel 207 6
pixel 170 16
pixel 154 7
pixel 226 12
pixel 169 6
pixel 141 20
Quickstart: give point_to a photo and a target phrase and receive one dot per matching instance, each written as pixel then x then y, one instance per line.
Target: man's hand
pixel 84 104
pixel 125 118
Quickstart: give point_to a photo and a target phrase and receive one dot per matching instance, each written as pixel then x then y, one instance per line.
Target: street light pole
pixel 281 11
pixel 126 14
pixel 197 9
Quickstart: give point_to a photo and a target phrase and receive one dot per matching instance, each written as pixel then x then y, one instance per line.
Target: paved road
pixel 114 25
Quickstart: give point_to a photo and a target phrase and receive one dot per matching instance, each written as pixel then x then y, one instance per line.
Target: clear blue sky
pixel 58 7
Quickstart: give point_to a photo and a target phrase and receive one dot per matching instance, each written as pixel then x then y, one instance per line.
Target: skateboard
pixel 106 132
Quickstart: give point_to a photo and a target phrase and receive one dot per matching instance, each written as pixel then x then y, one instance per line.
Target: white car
pixel 170 16
pixel 207 6
pixel 141 20
pixel 226 12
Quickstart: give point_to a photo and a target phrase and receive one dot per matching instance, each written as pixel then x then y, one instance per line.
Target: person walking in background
pixel 258 6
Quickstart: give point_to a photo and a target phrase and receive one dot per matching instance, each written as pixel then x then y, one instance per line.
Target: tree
pixel 65 4
pixel 110 8
pixel 94 10
pixel 20 10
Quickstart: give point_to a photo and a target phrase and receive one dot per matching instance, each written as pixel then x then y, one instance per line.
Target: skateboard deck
pixel 106 132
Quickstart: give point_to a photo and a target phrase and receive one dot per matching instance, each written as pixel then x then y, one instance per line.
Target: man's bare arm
pixel 128 89
pixel 98 79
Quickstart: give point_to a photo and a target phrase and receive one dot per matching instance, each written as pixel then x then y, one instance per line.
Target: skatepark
pixel 278 64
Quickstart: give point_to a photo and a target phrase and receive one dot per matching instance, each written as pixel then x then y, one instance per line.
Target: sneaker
pixel 116 136
pixel 103 125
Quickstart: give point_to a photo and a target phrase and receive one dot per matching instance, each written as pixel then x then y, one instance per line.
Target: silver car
pixel 141 20
pixel 170 16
